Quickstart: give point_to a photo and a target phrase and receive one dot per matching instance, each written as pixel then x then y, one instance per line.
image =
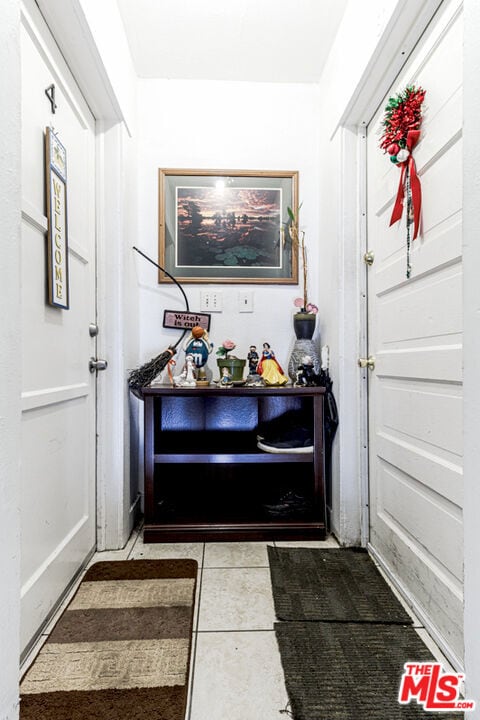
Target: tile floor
pixel 235 668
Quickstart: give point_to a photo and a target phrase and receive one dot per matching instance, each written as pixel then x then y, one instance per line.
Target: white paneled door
pixel 415 335
pixel 58 391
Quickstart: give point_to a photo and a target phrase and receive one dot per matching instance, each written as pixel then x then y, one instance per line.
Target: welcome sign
pixel 57 255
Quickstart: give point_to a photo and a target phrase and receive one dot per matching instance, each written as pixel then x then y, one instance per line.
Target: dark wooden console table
pixel 205 478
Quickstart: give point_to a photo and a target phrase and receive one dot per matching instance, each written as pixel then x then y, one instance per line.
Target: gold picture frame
pixel 227 226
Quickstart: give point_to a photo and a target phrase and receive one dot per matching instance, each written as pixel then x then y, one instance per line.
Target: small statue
pixel 269 368
pixel 254 381
pixel 198 346
pixel 187 376
pixel 252 358
pixel 305 374
pixel 226 379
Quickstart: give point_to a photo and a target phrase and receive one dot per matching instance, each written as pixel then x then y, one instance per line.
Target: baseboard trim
pixel 444 648
pixel 35 639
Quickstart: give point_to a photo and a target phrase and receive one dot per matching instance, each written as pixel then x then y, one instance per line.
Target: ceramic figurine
pixel 187 376
pixel 252 358
pixel 198 346
pixel 254 381
pixel 269 368
pixel 306 375
pixel 226 379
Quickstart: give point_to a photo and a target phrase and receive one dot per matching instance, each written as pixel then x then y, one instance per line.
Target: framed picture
pixel 227 226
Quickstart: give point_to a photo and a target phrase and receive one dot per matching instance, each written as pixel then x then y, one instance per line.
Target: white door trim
pixel 10 352
pixel 69 26
pixel 405 28
pixel 115 516
pixel 373 86
pixel 471 256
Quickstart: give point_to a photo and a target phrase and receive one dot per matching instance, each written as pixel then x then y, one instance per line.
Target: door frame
pixel 70 27
pixel 10 351
pixel 381 73
pixel 402 33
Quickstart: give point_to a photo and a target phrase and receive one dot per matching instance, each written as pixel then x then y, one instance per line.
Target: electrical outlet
pixel 211 301
pixel 245 301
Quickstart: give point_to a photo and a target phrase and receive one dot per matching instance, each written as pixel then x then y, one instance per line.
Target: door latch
pixel 367 362
pixel 368 258
pixel 96 364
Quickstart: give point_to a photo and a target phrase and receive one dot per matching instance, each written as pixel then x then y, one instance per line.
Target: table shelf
pixel 205 478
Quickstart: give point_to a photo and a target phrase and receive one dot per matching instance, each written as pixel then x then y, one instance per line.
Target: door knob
pixel 367 362
pixel 96 364
pixel 369 258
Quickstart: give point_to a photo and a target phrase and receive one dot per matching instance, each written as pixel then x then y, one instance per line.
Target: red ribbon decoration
pixel 412 139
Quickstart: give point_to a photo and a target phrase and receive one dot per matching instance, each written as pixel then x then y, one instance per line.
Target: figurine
pixel 305 374
pixel 254 381
pixel 269 368
pixel 252 358
pixel 198 346
pixel 226 379
pixel 187 376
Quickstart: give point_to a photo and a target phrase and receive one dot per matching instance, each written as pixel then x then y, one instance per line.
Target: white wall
pixel 106 27
pixel 9 355
pixel 258 126
pixel 471 258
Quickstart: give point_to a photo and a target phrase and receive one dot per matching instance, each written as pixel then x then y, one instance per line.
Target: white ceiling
pixel 252 40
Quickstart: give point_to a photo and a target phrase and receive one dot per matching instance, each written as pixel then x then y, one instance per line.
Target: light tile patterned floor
pixel 235 669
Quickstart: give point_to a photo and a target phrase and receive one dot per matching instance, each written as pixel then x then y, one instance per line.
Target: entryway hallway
pixel 235 667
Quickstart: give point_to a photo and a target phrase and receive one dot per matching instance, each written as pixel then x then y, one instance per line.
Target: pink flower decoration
pixel 228 344
pixel 298 302
pixel 312 308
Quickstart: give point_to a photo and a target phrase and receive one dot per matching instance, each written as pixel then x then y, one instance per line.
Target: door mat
pixel 121 649
pixel 336 585
pixel 349 671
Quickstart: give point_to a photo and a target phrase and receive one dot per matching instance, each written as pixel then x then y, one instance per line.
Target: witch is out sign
pixel 185 320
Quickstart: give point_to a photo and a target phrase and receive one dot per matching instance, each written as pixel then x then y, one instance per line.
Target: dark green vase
pixel 304 325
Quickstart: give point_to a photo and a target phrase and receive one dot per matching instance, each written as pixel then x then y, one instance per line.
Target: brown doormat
pixel 121 650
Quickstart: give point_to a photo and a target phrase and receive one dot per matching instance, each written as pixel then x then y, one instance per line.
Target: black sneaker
pixel 297 439
pixel 282 423
pixel 288 504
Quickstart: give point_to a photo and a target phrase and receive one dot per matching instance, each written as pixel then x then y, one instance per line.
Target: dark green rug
pixel 348 671
pixel 345 637
pixel 336 585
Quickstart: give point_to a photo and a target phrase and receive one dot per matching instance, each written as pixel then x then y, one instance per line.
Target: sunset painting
pixel 232 227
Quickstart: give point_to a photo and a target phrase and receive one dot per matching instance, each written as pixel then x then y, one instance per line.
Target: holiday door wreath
pixel 401 132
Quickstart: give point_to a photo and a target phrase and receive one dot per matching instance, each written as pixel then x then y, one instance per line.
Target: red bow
pixel 412 139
